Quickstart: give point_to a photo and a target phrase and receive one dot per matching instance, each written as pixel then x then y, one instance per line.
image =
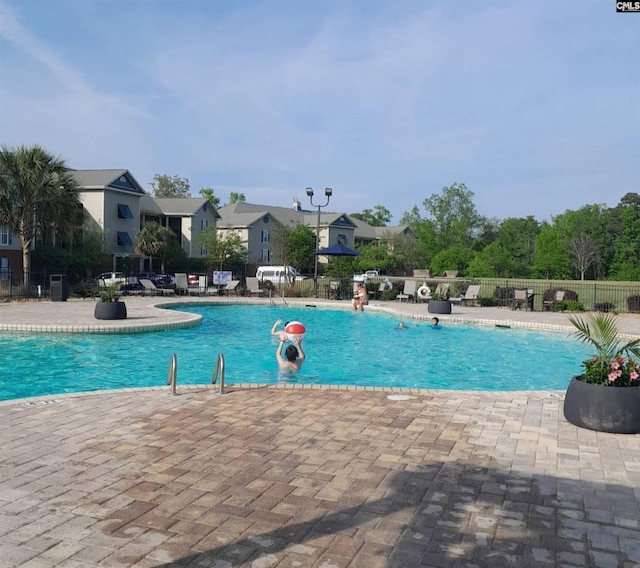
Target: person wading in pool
pixel 293 354
pixel 274 329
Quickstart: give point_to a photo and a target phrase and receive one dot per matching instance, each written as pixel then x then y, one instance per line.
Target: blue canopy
pixel 337 250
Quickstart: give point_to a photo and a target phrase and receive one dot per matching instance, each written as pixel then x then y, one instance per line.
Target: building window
pixel 124 212
pixel 204 223
pixel 265 236
pixel 5 236
pixel 4 269
pixel 265 255
pixel 124 240
pixel 342 239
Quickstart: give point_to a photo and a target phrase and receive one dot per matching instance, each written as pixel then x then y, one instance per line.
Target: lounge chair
pixel 231 286
pixel 253 286
pixel 201 289
pixel 182 284
pixel 150 289
pixel 408 292
pixel 471 295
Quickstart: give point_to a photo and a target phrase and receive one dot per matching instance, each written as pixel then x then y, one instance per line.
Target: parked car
pixel 366 275
pixel 109 278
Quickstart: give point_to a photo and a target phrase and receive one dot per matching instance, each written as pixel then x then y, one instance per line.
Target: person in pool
pixel 274 329
pixel 435 322
pixel 293 355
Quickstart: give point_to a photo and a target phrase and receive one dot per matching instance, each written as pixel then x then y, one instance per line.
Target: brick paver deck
pixel 311 477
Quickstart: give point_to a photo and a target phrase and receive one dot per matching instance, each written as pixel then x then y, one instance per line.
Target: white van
pixel 278 274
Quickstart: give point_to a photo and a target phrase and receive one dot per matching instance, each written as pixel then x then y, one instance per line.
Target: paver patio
pixel 310 477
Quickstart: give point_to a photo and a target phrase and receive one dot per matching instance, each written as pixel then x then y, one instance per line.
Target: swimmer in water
pixel 293 355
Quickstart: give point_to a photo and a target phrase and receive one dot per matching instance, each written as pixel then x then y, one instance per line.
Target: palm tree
pixel 154 240
pixel 38 193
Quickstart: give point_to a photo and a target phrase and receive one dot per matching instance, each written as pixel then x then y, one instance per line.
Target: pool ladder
pixel 218 371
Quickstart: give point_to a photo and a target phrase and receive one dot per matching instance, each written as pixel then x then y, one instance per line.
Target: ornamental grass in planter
pixel 110 307
pixel 606 396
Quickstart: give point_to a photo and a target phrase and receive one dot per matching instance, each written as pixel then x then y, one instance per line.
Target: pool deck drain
pixel 311 477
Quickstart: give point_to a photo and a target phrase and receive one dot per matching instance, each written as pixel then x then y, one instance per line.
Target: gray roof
pixel 102 179
pixel 177 206
pixel 244 214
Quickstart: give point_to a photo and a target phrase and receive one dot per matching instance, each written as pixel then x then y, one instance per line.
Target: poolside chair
pixel 442 289
pixel 201 289
pixel 150 289
pixel 558 298
pixel 471 295
pixel 520 298
pixel 253 286
pixel 408 292
pixel 231 286
pixel 182 284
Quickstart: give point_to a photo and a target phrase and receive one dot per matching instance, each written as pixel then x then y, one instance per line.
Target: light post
pixel 327 191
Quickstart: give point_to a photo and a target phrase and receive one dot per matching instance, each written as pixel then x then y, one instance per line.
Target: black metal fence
pixel 590 295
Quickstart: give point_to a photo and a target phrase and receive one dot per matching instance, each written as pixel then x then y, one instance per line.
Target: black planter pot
pixel 439 307
pixel 602 408
pixel 110 311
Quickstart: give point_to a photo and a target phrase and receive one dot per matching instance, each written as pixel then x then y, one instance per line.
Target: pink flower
pixel 615 365
pixel 633 375
pixel 612 377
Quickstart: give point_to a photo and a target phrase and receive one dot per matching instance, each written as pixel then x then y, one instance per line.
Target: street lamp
pixel 327 191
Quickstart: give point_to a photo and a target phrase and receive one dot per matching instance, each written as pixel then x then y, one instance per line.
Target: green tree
pixel 551 258
pixel 235 197
pixel 456 257
pixel 494 261
pixel 626 260
pixel 295 246
pixel 38 193
pixel 154 240
pixel 517 236
pixel 454 215
pixel 588 225
pixel 379 216
pixel 224 251
pixel 170 186
pixel 210 194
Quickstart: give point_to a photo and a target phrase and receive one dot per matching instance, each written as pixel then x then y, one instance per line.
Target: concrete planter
pixel 439 307
pixel 602 408
pixel 110 311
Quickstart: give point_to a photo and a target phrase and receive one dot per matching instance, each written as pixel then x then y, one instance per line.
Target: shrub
pixel 573 306
pixel 633 304
pixel 488 302
pixel 604 307
pixel 550 294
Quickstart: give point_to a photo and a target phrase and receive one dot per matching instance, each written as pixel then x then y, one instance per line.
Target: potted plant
pixel 606 397
pixel 439 303
pixel 110 307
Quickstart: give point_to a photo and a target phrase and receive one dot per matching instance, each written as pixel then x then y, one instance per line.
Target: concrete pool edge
pixel 231 388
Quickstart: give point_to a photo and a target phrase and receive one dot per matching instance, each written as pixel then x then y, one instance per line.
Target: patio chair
pixel 558 298
pixel 408 292
pixel 442 289
pixel 182 284
pixel 253 286
pixel 231 286
pixel 471 295
pixel 150 289
pixel 201 289
pixel 520 298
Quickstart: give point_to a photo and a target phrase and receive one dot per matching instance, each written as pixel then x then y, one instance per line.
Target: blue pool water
pixel 342 347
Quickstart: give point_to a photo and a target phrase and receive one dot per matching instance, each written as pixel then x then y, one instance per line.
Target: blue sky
pixel 534 105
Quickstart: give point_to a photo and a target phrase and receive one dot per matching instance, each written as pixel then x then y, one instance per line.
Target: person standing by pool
pixel 293 355
pixel 360 297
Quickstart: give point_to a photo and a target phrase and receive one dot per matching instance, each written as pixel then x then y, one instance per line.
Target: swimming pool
pixel 342 347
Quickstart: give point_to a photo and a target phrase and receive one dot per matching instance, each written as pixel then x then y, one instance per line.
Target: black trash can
pixel 58 287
